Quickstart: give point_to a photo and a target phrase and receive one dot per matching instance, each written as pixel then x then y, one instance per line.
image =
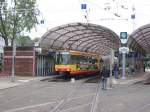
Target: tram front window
pixel 63 58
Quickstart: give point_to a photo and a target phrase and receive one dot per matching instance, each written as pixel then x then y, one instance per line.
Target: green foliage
pixel 19 16
pixel 24 41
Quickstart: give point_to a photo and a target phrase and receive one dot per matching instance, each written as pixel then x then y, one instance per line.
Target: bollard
pixel 72 80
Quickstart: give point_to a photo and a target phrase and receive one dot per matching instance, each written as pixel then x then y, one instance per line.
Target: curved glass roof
pixel 139 40
pixel 85 37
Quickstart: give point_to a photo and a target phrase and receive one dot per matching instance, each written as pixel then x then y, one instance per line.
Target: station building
pixel 85 37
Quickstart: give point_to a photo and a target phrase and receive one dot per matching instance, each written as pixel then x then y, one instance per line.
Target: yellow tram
pixel 73 63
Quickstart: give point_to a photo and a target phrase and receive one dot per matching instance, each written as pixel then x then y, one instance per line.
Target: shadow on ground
pixel 90 79
pixel 145 80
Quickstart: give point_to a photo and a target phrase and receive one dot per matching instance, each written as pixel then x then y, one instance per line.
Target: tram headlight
pixel 68 69
pixel 56 69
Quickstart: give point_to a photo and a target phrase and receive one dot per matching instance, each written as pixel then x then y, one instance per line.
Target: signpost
pixel 83 6
pixel 124 50
pixel 123 37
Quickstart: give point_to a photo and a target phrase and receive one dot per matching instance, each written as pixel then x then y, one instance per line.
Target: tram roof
pixel 139 40
pixel 84 37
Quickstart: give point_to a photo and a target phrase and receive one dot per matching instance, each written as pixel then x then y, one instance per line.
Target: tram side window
pixel 58 58
pixel 75 59
pixel 94 60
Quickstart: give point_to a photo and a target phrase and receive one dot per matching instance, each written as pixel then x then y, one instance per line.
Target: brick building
pixel 24 61
pixel 28 62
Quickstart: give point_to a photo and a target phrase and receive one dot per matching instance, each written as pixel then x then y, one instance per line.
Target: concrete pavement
pixel 6 82
pixel 45 96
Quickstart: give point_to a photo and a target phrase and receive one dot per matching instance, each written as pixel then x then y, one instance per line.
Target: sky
pixel 101 12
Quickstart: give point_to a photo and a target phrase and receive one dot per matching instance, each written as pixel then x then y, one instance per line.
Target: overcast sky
pixel 59 12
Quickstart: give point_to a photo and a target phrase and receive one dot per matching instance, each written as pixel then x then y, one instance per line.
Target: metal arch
pixel 93 44
pixel 86 46
pixel 94 48
pixel 98 31
pixel 73 31
pixel 86 37
pixel 114 42
pixel 63 27
pixel 113 35
pixel 103 52
pixel 86 29
pixel 89 39
pixel 108 31
pixel 97 45
pixel 102 27
pixel 144 38
pixel 90 35
pixel 140 39
pixel 98 48
pixel 64 34
pixel 136 46
pixel 53 31
pixel 79 35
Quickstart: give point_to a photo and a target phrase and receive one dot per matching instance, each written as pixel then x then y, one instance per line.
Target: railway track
pixel 68 98
pixel 95 99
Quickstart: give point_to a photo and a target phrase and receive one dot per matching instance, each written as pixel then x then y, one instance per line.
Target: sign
pixel 39 50
pixel 124 49
pixel 123 35
pixel 133 16
pixel 83 6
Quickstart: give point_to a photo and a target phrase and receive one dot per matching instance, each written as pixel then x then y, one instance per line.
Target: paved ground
pixel 44 96
pixel 6 82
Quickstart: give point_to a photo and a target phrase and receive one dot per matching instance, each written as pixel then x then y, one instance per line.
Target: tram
pixel 74 63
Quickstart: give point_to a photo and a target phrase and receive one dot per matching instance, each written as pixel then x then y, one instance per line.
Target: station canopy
pixel 139 40
pixel 84 37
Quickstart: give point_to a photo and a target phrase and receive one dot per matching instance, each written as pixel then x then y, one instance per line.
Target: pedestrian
pixel 105 74
pixel 144 67
pixel 116 70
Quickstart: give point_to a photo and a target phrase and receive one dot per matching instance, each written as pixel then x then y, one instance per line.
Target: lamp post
pixel 111 66
pixel 123 65
pixel 13 61
pixel 14 48
pixel 124 50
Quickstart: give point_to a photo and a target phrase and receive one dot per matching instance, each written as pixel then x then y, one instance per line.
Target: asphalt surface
pixel 81 96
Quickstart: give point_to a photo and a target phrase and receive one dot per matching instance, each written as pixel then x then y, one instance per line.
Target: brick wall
pixel 24 64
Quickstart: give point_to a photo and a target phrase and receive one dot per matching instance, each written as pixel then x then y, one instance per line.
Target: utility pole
pixel 111 66
pixel 123 65
pixel 13 61
pixel 14 47
pixel 85 10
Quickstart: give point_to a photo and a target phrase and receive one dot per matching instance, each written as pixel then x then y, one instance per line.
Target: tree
pixel 24 41
pixel 16 17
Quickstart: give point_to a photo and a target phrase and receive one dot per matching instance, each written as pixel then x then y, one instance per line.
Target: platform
pixel 78 96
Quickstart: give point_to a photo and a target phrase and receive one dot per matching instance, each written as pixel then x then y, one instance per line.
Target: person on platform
pixel 105 74
pixel 116 70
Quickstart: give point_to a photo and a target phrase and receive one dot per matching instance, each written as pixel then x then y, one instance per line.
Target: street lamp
pixel 13 61
pixel 111 65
